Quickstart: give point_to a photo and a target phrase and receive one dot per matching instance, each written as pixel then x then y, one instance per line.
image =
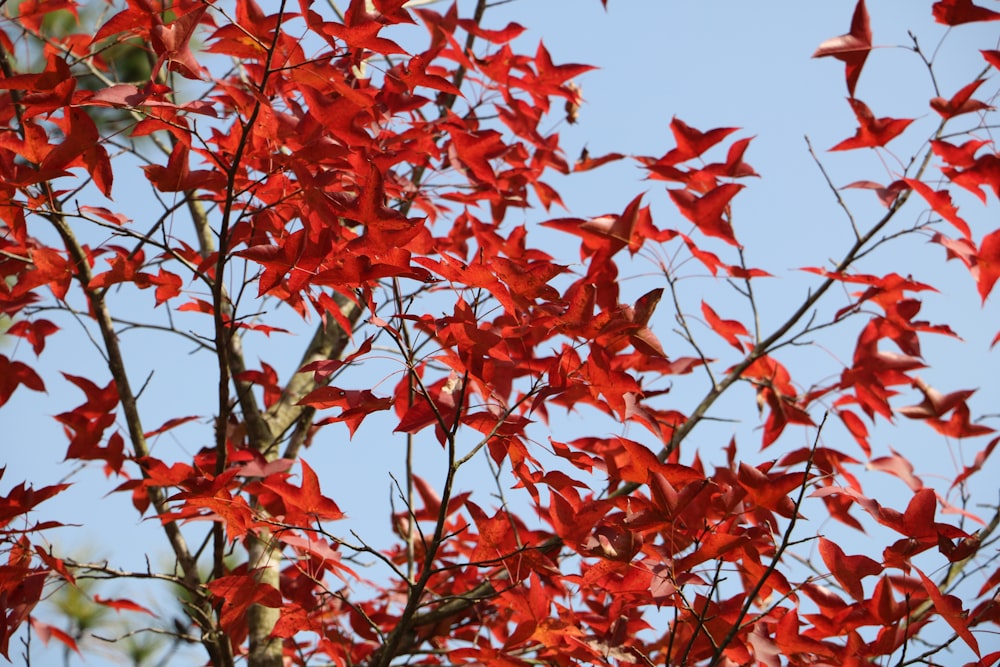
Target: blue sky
pixel 711 63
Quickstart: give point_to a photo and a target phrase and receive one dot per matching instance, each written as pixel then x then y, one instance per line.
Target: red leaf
pixel 887 194
pixel 950 608
pixel 168 285
pixel 959 425
pixel 730 330
pixel 105 214
pixel 983 173
pixel 957 12
pixel 360 31
pixel 171 44
pixel 709 213
pixel 851 48
pixel 977 464
pixel 237 593
pixel 125 267
pixel 319 548
pixel 734 166
pixel 323 369
pixel 34 331
pixel 770 490
pixel 898 466
pixel 636 463
pixel 712 547
pixel 872 132
pixel 960 102
pixel 169 424
pixel 692 143
pixel 962 157
pixel 197 306
pixel 502 36
pixel 47 632
pixel 122 604
pixel 385 227
pixel 14 374
pixel 356 403
pixel 986 270
pixel 935 404
pixel 304 502
pixel 528 281
pixel 550 78
pixel 848 570
pixel 918 519
pixel 857 428
pixel 621 230
pixel 177 176
pixel 586 163
pixel 940 201
pixel 607 234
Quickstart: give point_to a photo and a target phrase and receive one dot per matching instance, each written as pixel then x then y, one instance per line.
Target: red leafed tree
pixel 350 219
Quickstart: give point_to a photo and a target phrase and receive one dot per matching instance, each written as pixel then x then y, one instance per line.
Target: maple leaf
pixel 957 12
pixel 549 78
pixel 620 230
pixel 300 505
pixel 34 331
pixel 848 570
pixel 977 464
pixel 177 176
pixel 710 213
pixel 586 163
pixel 775 389
pixel 13 374
pixel 900 467
pixel 950 607
pixel 360 31
pixel 45 92
pixel 171 44
pixel 237 593
pixel 120 604
pixel 935 404
pixel 168 285
pixel 47 632
pixel 770 490
pixel 357 404
pixel 605 235
pixel 851 48
pixel 692 143
pixel 887 194
pixel 151 96
pixel 857 429
pixel 501 36
pixel 962 157
pixel 730 330
pixel 872 132
pixel 961 102
pixel 940 201
pixel 984 172
pixel 734 166
pixel 419 72
pixel 959 425
pixel 986 267
pixel 124 269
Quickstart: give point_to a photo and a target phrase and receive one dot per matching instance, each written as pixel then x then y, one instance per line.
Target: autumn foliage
pixel 388 209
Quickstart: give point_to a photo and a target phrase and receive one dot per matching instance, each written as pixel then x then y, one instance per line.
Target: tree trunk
pixel 265 651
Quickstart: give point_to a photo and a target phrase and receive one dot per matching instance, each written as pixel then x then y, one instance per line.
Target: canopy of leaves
pixel 383 205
